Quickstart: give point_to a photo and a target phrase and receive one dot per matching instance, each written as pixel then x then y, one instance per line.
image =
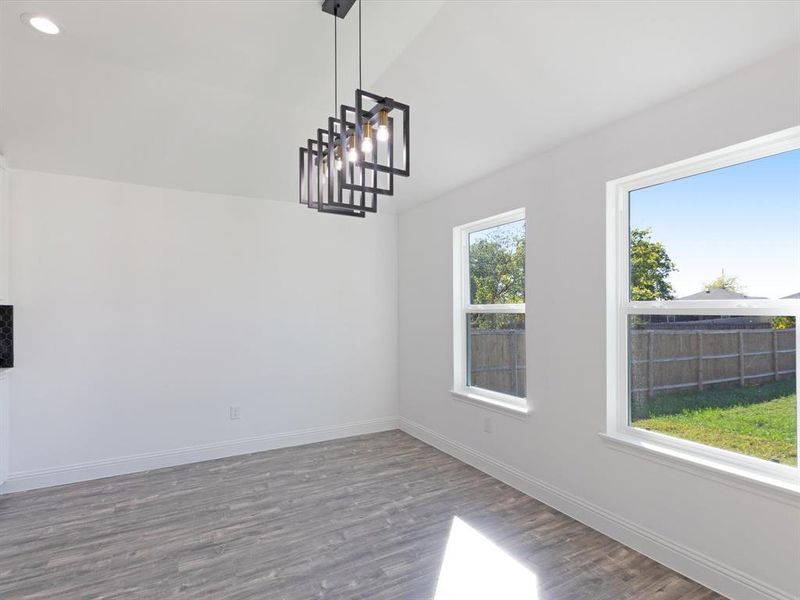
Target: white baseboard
pixel 694 565
pixel 29 480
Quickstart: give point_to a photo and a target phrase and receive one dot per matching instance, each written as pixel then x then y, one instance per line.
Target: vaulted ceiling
pixel 217 96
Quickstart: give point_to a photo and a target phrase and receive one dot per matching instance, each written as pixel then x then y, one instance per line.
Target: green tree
pixel 497 275
pixel 650 268
pixel 724 283
pixel 784 323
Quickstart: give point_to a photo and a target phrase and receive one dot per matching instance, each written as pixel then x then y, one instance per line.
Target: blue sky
pixel 744 219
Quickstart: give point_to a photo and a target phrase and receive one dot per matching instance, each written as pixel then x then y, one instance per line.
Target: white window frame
pixel 462 307
pixel 764 473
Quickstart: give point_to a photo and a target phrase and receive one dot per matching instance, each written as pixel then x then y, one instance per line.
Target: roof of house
pixel 717 294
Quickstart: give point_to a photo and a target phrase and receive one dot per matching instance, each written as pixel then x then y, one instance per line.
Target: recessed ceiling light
pixel 40 23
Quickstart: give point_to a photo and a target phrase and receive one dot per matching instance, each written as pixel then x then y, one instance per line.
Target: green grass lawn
pixel 758 421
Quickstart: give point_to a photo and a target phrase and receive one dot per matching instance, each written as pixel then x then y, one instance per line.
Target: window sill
pixel 508 408
pixel 765 485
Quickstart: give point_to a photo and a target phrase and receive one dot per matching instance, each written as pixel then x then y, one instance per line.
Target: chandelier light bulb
pixel 366 143
pixel 338 163
pixel 383 126
pixel 352 153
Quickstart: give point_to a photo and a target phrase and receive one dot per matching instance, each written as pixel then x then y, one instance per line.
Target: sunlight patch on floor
pixel 475 568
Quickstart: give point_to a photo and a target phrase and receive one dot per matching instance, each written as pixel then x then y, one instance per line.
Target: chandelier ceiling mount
pixel 337 8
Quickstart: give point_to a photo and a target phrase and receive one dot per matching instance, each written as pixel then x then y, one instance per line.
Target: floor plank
pixel 366 517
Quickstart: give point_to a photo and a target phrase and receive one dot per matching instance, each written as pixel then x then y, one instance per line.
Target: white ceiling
pixel 217 96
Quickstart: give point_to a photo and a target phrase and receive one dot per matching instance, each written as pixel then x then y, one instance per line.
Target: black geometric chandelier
pixel 344 168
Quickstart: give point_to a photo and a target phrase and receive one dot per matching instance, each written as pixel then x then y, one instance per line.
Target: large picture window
pixel 704 296
pixel 489 311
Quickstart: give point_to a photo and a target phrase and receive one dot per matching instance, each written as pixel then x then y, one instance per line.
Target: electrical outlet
pixel 235 412
pixel 487 425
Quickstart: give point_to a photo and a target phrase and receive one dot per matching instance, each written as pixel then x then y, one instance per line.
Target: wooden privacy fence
pixel 497 360
pixel 667 360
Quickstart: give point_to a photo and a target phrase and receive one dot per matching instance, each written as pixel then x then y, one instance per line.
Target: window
pixel 489 311
pixel 704 296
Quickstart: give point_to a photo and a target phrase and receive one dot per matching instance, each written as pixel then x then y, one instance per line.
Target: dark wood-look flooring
pixel 359 518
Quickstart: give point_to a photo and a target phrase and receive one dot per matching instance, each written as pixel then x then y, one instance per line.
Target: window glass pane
pixel 725 234
pixel 497 264
pixel 724 381
pixel 496 352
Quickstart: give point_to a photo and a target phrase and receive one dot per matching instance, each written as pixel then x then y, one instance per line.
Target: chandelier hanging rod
pixel 335 60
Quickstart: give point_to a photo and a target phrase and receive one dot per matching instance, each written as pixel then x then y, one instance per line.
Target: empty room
pixel 399 299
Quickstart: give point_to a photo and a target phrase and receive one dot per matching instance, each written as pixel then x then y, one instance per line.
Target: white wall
pixel 744 544
pixel 142 314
